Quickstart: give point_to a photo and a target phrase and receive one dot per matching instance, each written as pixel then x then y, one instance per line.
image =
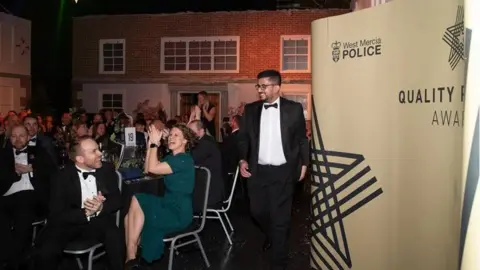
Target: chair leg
pixel 224 228
pixel 170 257
pixel 228 221
pixel 204 255
pixel 34 234
pixel 90 260
pixel 79 263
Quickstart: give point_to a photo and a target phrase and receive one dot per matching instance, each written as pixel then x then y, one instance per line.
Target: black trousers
pixel 17 213
pixel 53 241
pixel 271 192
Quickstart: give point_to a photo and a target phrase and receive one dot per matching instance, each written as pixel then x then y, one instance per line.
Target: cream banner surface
pixel 470 229
pixel 388 95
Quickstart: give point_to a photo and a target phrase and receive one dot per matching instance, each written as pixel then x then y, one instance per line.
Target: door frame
pixel 218 106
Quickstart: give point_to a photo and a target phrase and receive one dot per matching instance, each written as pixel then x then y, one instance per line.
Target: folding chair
pixel 200 200
pixel 220 212
pixel 78 248
pixel 35 225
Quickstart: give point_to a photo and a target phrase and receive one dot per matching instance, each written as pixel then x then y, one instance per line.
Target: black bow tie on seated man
pixel 86 174
pixel 18 152
pixel 33 139
pixel 275 105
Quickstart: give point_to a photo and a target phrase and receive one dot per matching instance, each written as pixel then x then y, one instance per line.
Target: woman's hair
pixel 188 135
pixel 94 129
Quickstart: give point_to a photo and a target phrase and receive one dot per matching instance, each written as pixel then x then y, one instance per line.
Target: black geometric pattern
pixel 453 36
pixel 341 184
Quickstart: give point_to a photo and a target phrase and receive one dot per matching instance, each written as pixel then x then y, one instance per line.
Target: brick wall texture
pixel 259 33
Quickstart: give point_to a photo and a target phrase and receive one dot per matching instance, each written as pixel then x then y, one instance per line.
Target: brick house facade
pixel 120 60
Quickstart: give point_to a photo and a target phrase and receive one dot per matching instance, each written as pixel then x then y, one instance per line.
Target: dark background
pixel 52 24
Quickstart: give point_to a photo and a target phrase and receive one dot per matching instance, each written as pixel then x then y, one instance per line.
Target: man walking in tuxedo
pixel 272 142
pixel 84 200
pixel 25 174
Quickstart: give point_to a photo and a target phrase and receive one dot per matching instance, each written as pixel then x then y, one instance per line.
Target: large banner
pixel 388 96
pixel 470 229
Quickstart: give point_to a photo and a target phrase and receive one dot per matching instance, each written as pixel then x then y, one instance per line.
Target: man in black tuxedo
pixel 272 143
pixel 207 153
pixel 84 200
pixel 37 139
pixel 25 174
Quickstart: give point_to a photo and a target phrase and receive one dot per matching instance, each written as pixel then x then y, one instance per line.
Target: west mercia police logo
pixel 356 49
pixel 453 36
pixel 336 51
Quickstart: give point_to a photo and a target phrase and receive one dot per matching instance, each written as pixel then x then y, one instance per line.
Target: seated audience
pixel 207 154
pixel 84 200
pixel 25 174
pixel 152 217
pixel 37 139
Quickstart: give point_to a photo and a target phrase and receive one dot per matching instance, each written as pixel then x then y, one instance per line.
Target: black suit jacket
pixel 293 132
pixel 47 144
pixel 207 154
pixel 66 196
pixel 43 169
pixel 230 154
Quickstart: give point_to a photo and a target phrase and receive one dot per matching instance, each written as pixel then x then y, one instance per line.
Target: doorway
pixel 188 99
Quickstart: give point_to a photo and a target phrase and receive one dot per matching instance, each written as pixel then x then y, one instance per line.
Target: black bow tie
pixel 18 152
pixel 275 105
pixel 33 139
pixel 86 174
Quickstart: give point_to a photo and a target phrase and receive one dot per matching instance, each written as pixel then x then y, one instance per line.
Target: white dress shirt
pixel 24 183
pixel 270 150
pixel 88 185
pixel 33 141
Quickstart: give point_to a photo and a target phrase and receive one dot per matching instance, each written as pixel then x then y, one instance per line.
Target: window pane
pixel 219 59
pixel 302 50
pixel 302 43
pixel 118 68
pixel 108 61
pixel 219 51
pixel 118 46
pixel 219 44
pixel 118 61
pixel 289 50
pixel 302 66
pixel 169 67
pixel 302 59
pixel 181 51
pixel 194 45
pixel 231 51
pixel 181 67
pixel 169 60
pixel 106 97
pixel 194 51
pixel 169 52
pixel 182 60
pixel 117 97
pixel 117 104
pixel 219 66
pixel 195 66
pixel 205 66
pixel 206 44
pixel 118 53
pixel 288 43
pixel 181 45
pixel 205 60
pixel 194 60
pixel 107 68
pixel 107 53
pixel 206 51
pixel 106 104
pixel 231 44
pixel 169 45
pixel 107 47
pixel 231 59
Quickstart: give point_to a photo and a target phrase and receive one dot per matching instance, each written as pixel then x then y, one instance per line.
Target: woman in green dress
pixel 151 217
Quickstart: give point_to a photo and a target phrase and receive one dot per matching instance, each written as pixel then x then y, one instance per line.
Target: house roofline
pixel 286 11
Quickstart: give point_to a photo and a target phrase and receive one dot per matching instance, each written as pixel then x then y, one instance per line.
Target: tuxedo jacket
pixel 293 132
pixel 230 156
pixel 47 144
pixel 66 196
pixel 43 169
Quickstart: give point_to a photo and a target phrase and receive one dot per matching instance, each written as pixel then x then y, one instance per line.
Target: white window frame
pixel 111 92
pixel 189 39
pixel 101 58
pixel 296 37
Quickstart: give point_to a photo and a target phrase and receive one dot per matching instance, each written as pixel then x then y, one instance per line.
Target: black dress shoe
pixel 267 244
pixel 132 264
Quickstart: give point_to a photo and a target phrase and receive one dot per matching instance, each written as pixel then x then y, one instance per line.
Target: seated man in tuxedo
pixel 37 139
pixel 206 153
pixel 84 200
pixel 25 174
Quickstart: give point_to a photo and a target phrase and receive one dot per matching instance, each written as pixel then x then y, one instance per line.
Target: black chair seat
pixel 190 228
pixel 81 244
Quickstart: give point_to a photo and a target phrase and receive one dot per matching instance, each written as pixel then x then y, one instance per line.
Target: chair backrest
pixel 200 194
pixel 232 191
pixel 120 185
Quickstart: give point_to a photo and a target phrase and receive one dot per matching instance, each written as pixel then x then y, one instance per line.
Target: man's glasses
pixel 263 86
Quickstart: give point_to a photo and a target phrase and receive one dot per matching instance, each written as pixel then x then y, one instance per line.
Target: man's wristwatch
pixel 153 145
